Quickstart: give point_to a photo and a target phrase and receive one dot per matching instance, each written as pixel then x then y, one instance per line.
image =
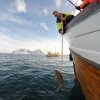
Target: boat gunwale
pixel 89 11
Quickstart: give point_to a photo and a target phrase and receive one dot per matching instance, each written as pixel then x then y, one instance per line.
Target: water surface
pixel 31 77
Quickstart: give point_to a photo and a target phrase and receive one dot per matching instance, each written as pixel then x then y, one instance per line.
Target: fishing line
pixel 73 4
pixel 58 74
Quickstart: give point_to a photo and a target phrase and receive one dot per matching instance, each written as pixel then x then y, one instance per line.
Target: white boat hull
pixel 84 38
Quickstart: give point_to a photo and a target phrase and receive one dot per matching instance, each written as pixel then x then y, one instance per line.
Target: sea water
pixel 31 77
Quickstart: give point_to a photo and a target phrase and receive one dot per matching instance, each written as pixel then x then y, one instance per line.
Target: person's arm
pixel 59 27
pixel 84 4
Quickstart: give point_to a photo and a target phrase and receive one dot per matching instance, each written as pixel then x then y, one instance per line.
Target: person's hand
pixel 61 32
pixel 78 7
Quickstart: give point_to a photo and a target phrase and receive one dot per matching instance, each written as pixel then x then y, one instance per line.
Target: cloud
pixel 44 26
pixel 12 15
pixel 17 6
pixel 13 18
pixel 9 44
pixel 58 3
pixel 50 44
pixel 21 6
pixel 6 43
pixel 45 11
pixel 12 8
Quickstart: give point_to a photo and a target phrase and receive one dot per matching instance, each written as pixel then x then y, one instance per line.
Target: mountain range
pixel 26 51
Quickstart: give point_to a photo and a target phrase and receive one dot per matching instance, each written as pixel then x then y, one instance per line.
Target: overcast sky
pixel 30 24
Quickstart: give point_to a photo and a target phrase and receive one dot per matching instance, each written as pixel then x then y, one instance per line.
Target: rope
pixel 58 74
pixel 60 10
pixel 62 43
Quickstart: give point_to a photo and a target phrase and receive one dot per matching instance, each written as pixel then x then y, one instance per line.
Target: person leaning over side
pixel 83 5
pixel 62 20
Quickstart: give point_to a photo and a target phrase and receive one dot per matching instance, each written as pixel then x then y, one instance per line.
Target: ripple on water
pixel 28 77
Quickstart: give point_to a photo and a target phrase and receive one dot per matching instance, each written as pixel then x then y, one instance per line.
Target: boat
pixel 50 54
pixel 83 36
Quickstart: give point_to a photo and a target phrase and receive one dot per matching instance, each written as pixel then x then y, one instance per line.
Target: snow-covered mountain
pixel 26 51
pixel 38 52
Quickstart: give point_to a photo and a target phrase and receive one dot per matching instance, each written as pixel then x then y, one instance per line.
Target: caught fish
pixel 59 77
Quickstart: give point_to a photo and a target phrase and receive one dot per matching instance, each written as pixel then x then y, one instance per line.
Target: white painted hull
pixel 84 38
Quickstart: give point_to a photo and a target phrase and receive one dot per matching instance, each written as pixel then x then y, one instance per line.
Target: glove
pixel 61 32
pixel 78 7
